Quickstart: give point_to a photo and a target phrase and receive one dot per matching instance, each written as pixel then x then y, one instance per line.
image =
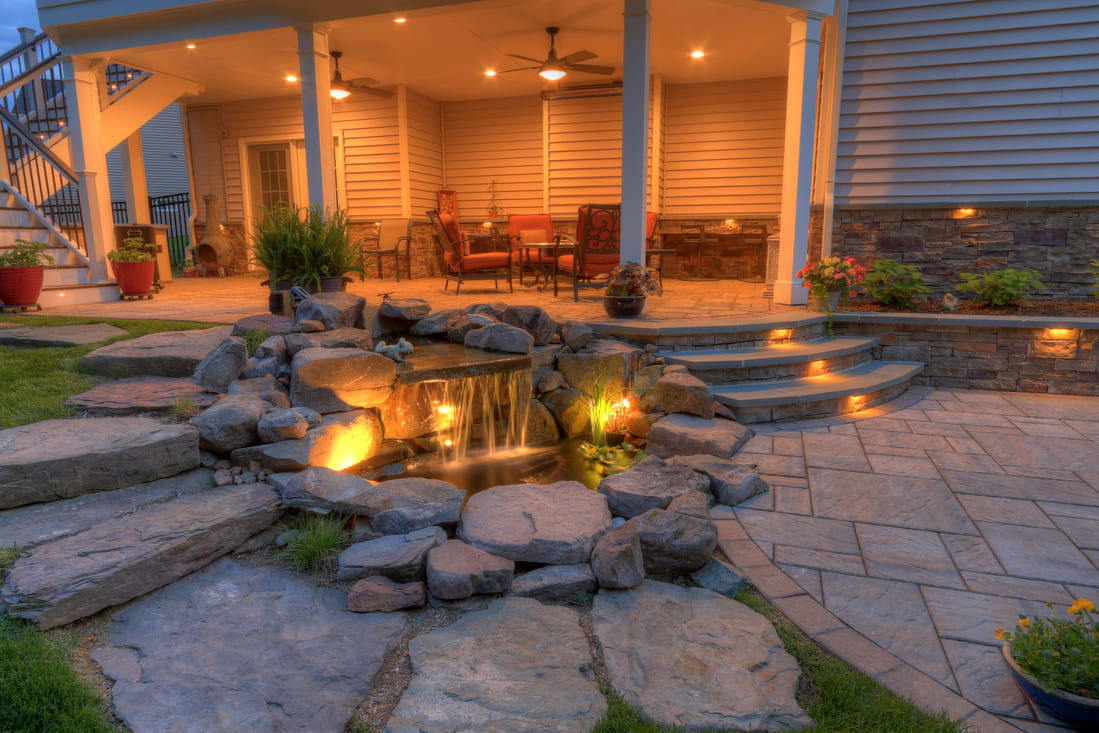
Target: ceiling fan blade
pixel 578 56
pixel 526 58
pixel 524 68
pixel 363 81
pixel 374 92
pixel 590 68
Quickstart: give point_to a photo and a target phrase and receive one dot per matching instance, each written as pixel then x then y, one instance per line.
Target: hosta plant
pixel 1003 287
pixel 893 283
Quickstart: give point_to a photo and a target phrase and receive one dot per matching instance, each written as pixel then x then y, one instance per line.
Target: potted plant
pixel 134 265
pixel 627 289
pixel 21 271
pixel 1055 662
pixel 306 247
pixel 830 280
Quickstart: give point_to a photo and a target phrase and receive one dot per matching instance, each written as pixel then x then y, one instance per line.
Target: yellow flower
pixel 1081 604
pixel 1024 622
pixel 999 633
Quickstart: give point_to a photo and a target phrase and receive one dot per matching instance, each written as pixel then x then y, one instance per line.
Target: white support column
pixel 133 172
pixel 89 159
pixel 316 108
pixel 635 129
pixel 797 167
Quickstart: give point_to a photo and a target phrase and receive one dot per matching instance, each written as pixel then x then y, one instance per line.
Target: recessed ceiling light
pixel 400 20
pixel 490 72
pixel 291 77
pixel 697 54
pixel 190 45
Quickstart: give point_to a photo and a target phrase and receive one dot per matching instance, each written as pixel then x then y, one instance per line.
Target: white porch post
pixel 89 160
pixel 635 129
pixel 316 109
pixel 133 172
pixel 797 167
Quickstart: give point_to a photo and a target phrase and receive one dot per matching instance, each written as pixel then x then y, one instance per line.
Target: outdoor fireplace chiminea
pixel 214 253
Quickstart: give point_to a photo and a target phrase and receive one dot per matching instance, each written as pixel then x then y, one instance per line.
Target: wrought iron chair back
pixel 462 262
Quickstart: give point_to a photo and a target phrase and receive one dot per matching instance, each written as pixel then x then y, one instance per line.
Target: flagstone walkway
pixel 924 527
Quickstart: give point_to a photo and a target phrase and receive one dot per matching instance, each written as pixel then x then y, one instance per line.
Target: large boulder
pixel 404 309
pixel 683 392
pixel 335 380
pixel 265 322
pixel 728 670
pixel 576 334
pixel 500 337
pixel 651 483
pixel 323 490
pixel 541 425
pixel 730 482
pixel 281 423
pixel 555 583
pixel 341 441
pixel 60 459
pixel 533 320
pixel 617 561
pixel 434 323
pixel 398 557
pixel 614 360
pixel 165 354
pixel 229 424
pixel 455 570
pixel 517 667
pixel 415 503
pixel 120 559
pixel 570 410
pixel 674 544
pixel 409 412
pixel 139 395
pixel 222 365
pixel 686 435
pixel 552 524
pixel 381 595
pixel 334 310
pixel 340 338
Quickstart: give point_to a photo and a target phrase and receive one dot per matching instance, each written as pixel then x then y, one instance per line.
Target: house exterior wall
pixel 585 153
pixel 165 161
pixel 425 152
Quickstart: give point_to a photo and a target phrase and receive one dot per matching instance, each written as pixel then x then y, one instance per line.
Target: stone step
pixel 716 333
pixel 120 559
pixel 836 393
pixel 788 360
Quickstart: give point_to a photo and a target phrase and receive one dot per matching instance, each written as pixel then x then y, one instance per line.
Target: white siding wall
pixel 275 118
pixel 165 161
pixel 425 152
pixel 585 150
pixel 969 102
pixel 723 147
pixel 494 140
pixel 372 160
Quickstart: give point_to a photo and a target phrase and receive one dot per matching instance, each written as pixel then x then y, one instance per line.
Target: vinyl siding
pixel 165 161
pixel 985 101
pixel 425 152
pixel 585 148
pixel 372 160
pixel 494 140
pixel 275 118
pixel 723 147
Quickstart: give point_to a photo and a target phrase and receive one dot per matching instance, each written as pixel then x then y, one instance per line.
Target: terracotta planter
pixel 21 285
pixel 624 307
pixel 1081 712
pixel 134 278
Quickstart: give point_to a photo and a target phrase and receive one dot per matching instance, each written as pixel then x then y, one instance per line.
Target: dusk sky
pixel 15 13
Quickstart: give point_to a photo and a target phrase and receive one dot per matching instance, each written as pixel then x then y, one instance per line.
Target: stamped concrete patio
pixel 899 538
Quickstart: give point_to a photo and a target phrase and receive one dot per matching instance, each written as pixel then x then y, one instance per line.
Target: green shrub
pixel 1094 272
pixel 26 254
pixel 892 283
pixel 314 542
pixel 132 249
pixel 1003 287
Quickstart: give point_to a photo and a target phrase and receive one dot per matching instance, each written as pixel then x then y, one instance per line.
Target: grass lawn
pixel 35 382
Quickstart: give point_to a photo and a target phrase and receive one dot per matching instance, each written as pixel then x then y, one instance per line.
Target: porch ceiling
pixel 443 52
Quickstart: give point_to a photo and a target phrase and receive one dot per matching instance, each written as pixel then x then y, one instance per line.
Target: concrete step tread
pixel 862 379
pixel 790 352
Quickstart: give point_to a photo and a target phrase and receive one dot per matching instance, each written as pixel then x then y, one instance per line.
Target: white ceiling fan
pixel 340 89
pixel 554 68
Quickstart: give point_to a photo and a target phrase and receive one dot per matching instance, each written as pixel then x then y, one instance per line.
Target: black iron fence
pixel 120 212
pixel 174 211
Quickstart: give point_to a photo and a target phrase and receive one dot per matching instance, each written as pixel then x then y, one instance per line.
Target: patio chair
pixel 462 262
pixel 392 233
pixel 654 256
pixel 529 229
pixel 595 249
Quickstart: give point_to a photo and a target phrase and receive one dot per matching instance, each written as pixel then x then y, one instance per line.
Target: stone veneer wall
pixel 996 353
pixel 1058 242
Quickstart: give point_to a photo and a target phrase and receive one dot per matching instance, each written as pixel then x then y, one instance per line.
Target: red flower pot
pixel 134 278
pixel 20 285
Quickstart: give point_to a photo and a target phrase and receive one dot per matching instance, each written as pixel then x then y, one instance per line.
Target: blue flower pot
pixel 1080 712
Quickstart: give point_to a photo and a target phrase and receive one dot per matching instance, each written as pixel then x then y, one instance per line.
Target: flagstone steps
pixel 786 360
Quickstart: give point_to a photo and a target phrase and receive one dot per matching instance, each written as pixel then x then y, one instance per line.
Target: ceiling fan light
pixel 552 72
pixel 339 92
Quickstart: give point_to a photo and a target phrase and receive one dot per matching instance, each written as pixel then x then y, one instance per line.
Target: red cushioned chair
pixel 598 228
pixel 531 229
pixel 462 263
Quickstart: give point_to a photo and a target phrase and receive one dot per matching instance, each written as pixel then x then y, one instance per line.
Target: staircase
pixel 776 366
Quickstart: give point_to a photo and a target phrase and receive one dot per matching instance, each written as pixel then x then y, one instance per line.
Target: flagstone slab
pixel 32 525
pixel 60 336
pixel 766 463
pixel 516 667
pixel 1004 511
pixel 1084 531
pixel 135 395
pixel 891 614
pixel 1063 407
pixel 1022 487
pixel 975 616
pixel 909 439
pixel 1041 554
pixel 819 559
pixel 123 558
pixel 799 531
pixel 1011 587
pixel 910 555
pixel 916 466
pixel 693 658
pixel 985 679
pixel 1041 452
pixel 826 450
pixel 61 459
pixel 972 553
pixel 165 354
pixel 904 501
pixel 244 649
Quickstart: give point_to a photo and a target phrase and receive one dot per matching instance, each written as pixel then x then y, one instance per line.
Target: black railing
pixel 45 181
pixel 174 211
pixel 120 212
pixel 33 90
